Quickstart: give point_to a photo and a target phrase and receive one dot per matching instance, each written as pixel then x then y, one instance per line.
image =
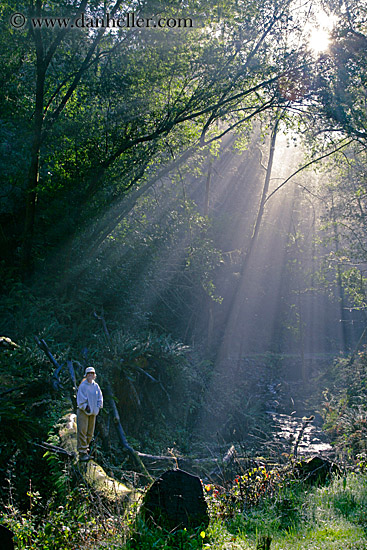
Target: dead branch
pixel 104 325
pixel 55 376
pixel 121 434
pixel 328 154
pixel 54 449
pixel 150 378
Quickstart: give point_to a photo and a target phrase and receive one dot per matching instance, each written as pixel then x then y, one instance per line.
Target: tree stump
pixel 176 500
pixel 6 538
pixel 316 470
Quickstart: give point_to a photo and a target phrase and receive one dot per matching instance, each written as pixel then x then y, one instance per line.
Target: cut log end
pixel 176 500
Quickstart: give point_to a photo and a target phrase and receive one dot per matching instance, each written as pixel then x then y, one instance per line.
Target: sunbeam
pixel 272 302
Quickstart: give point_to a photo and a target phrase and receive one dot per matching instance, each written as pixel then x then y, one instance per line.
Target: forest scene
pixel 183 263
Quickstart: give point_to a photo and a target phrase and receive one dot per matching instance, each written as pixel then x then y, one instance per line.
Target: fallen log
pixel 92 472
pixel 157 464
pixel 116 420
pixel 110 398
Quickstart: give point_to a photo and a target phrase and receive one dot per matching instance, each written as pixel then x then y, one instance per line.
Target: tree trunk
pixel 33 173
pixel 207 188
pixel 343 320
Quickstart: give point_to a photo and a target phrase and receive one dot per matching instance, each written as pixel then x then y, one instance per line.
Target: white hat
pixel 89 369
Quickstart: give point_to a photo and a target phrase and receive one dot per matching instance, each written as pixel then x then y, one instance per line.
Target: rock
pixel 6 538
pixel 176 500
pixel 316 470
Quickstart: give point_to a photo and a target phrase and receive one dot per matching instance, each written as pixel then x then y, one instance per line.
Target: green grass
pixel 333 517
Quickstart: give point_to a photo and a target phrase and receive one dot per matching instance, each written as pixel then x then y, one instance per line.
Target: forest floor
pixel 332 517
pixel 260 504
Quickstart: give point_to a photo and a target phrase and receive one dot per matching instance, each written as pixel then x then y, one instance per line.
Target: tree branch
pixel 306 166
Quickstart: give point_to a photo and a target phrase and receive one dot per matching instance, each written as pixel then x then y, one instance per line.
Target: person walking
pixel 89 401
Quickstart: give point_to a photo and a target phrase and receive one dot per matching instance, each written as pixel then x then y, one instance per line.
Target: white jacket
pixel 89 394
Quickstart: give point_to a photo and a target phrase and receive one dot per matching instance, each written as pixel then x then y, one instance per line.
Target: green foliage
pixel 80 520
pixel 59 474
pixel 266 498
pixel 115 108
pixel 290 515
pixel 345 226
pixel 295 517
pixel 28 312
pixel 148 345
pixel 345 406
pixel 256 484
pixel 25 392
pixel 145 538
pixel 355 284
pixel 29 410
pixel 341 75
pixel 158 385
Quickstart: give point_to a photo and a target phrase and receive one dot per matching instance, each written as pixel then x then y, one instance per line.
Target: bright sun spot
pixel 319 40
pixel 319 35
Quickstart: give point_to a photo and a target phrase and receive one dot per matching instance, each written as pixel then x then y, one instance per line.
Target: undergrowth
pixel 262 504
pixel 345 406
pixel 291 514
